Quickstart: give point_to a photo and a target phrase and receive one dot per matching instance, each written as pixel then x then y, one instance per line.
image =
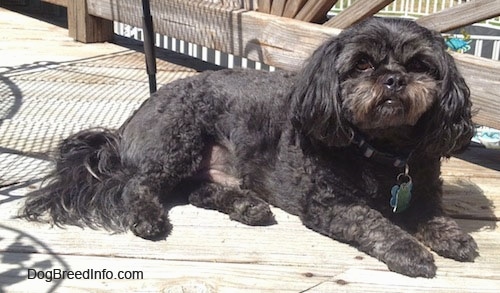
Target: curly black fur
pixel 239 140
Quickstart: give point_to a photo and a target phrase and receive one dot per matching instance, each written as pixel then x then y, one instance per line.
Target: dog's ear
pixel 450 125
pixel 316 100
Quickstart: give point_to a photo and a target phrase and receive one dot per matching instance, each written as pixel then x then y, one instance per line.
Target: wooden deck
pixel 51 86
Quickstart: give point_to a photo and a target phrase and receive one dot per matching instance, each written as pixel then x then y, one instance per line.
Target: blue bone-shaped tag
pixel 401 196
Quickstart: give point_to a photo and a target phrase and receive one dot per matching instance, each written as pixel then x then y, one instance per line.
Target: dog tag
pixel 401 193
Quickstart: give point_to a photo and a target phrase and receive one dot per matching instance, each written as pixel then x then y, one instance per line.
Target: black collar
pixel 368 151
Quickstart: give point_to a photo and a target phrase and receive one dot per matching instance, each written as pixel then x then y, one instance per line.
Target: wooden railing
pixel 251 29
pixel 411 8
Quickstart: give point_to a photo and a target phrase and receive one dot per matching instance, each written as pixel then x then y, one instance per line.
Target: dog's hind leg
pixel 241 205
pixel 157 174
pixel 160 154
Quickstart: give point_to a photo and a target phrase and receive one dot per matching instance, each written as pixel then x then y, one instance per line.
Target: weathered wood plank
pixel 315 10
pixel 192 276
pixel 244 33
pixel 471 184
pixel 231 241
pixel 264 6
pixel 365 280
pixel 472 199
pixel 483 77
pixel 57 2
pixel 160 276
pixel 233 256
pixel 461 15
pixel 254 35
pixel 250 4
pixel 293 7
pixel 278 7
pixel 86 28
pixel 483 163
pixel 233 4
pixel 358 11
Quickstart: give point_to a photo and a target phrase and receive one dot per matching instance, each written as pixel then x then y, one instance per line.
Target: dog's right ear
pixel 316 100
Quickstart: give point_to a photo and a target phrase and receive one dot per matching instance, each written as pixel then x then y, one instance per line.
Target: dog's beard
pixel 368 104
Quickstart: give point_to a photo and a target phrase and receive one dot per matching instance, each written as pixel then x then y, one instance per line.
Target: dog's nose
pixel 394 82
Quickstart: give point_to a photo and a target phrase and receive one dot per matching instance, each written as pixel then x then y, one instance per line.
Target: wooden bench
pixel 280 32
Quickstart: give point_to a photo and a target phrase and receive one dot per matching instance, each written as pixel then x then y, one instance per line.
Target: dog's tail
pixel 86 186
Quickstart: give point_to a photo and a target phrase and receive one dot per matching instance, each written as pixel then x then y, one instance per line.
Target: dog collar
pixel 401 191
pixel 368 151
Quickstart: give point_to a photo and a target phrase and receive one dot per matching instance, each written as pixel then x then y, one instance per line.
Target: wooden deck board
pixel 206 252
pixel 234 256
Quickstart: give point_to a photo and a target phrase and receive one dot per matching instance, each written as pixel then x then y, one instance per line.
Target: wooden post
pixel 87 28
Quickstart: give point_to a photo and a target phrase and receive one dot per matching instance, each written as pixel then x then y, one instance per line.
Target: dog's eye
pixel 417 65
pixel 363 64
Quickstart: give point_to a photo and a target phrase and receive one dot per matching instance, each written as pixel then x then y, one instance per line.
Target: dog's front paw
pixel 456 245
pixel 461 247
pixel 445 237
pixel 252 211
pixel 409 258
pixel 150 225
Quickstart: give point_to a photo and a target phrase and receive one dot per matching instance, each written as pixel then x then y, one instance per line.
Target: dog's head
pixel 384 74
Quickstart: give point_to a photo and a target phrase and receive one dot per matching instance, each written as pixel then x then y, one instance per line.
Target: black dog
pixel 351 144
